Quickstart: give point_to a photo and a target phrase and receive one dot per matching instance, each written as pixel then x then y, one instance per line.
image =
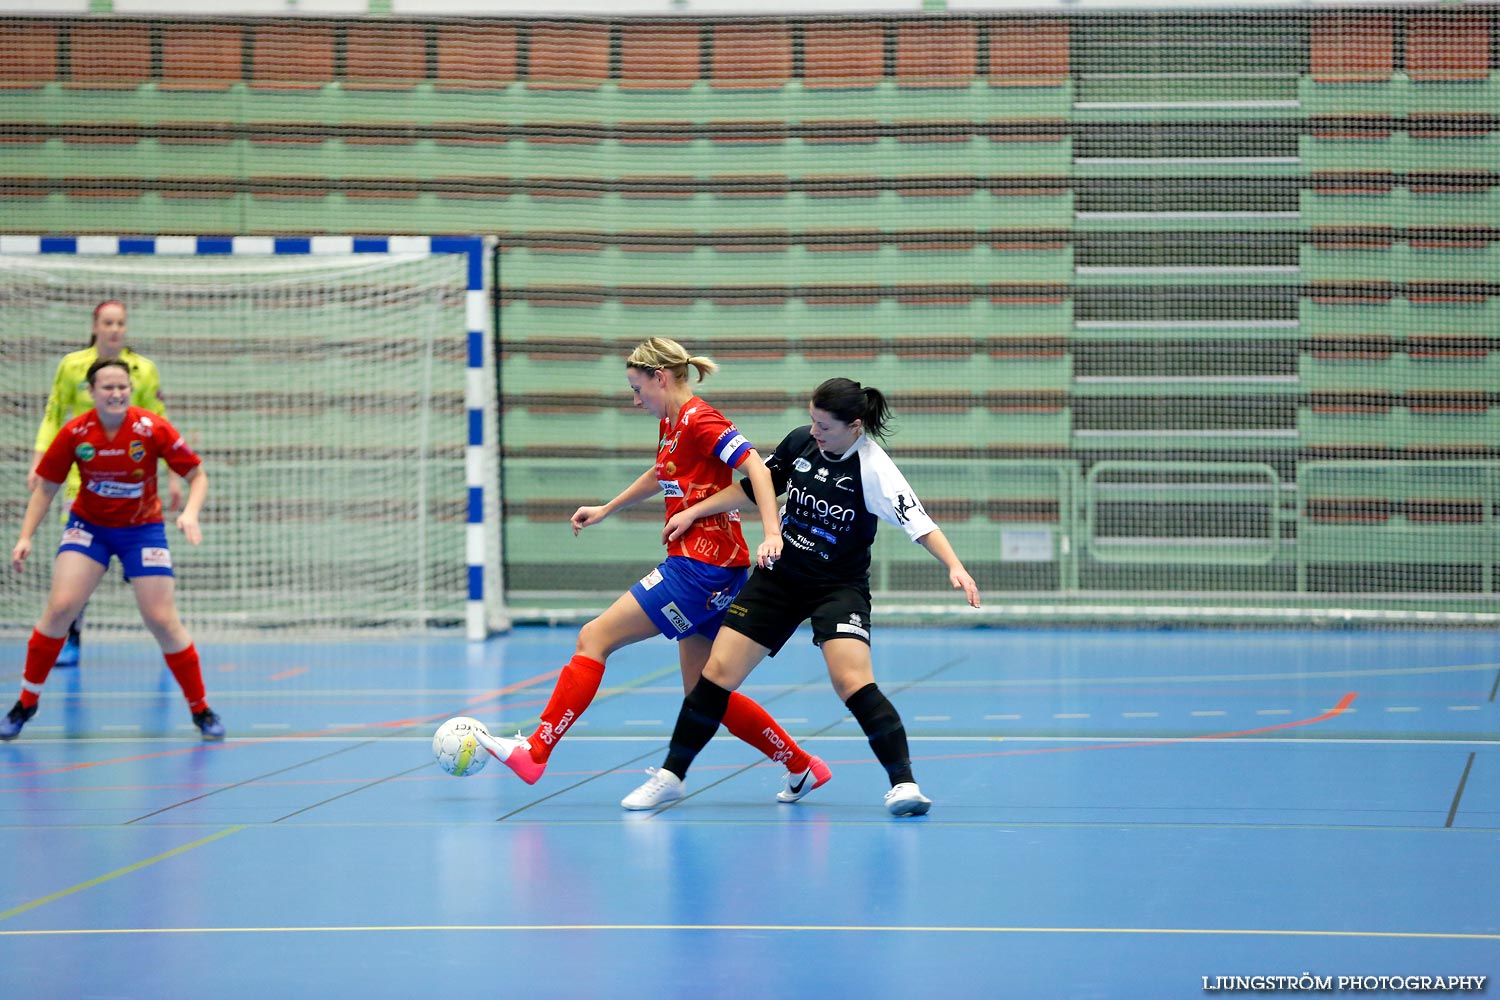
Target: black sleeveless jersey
pixel 834 504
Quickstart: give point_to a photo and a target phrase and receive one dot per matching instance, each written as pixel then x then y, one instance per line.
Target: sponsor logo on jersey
pixel 819 506
pixel 84 451
pixel 671 487
pixel 674 614
pixel 651 579
pixel 845 483
pixel 822 475
pixel 720 599
pixel 802 465
pixel 113 490
pixel 77 536
pixel 142 426
pixel 137 451
pixel 153 555
pixel 111 452
pixel 905 504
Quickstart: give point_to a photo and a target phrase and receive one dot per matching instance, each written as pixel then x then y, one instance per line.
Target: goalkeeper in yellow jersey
pixel 70 397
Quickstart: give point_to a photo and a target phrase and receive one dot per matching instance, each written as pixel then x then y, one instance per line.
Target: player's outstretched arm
pixel 34 477
pixel 645 487
pixel 187 521
pixel 764 487
pixel 937 543
pixel 731 497
pixel 36 510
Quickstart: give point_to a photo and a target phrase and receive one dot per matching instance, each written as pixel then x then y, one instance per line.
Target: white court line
pixel 1200 740
pixel 820 929
pixel 1077 682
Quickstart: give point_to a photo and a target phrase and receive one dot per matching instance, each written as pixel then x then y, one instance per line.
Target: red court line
pixel 225 747
pixel 1336 710
pixel 283 675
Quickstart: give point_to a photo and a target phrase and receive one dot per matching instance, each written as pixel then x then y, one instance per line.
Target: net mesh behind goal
pixel 325 395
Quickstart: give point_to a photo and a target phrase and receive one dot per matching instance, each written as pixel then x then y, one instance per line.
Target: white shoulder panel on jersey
pixel 887 493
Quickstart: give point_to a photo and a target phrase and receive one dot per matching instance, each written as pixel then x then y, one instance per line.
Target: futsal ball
pixel 457 749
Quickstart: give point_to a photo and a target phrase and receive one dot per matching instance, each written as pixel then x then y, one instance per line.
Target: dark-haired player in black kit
pixel 839 485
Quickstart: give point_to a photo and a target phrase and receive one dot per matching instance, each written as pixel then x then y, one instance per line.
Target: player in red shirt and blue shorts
pixel 686 596
pixel 117 514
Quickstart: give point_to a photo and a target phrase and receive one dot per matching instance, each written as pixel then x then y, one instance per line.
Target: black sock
pixel 882 725
pixel 702 711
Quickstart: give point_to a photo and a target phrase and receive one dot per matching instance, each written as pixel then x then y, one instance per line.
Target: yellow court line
pixel 24 907
pixel 787 928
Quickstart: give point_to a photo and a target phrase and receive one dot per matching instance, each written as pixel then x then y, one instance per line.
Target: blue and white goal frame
pixel 485 607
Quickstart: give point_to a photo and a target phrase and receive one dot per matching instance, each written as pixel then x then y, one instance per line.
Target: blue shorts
pixel 142 549
pixel 685 597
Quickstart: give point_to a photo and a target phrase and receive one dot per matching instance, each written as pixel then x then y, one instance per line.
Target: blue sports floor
pixel 1117 814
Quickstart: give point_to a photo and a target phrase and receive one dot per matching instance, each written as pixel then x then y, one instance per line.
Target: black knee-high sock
pixel 882 725
pixel 702 711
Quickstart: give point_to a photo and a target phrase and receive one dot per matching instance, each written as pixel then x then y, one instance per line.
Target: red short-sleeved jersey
pixel 119 472
pixel 696 459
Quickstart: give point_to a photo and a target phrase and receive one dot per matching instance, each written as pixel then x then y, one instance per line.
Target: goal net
pixel 325 394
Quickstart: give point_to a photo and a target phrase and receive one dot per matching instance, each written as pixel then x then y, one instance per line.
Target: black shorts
pixel 771 606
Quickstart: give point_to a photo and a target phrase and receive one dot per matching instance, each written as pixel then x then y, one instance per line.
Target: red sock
pixel 574 692
pixel 754 725
pixel 41 653
pixel 184 667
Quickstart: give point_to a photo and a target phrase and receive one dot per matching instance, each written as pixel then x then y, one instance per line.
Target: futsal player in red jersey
pixel 117 513
pixel 839 486
pixel 685 597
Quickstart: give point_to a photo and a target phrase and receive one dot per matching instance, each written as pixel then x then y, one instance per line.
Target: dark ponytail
pixel 847 400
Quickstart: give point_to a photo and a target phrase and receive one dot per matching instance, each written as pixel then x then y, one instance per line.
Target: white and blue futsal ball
pixel 457 748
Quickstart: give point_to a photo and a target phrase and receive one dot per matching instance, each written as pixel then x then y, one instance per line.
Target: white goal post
pixel 341 391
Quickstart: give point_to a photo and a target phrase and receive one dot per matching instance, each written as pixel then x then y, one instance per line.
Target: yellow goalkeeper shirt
pixel 70 396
